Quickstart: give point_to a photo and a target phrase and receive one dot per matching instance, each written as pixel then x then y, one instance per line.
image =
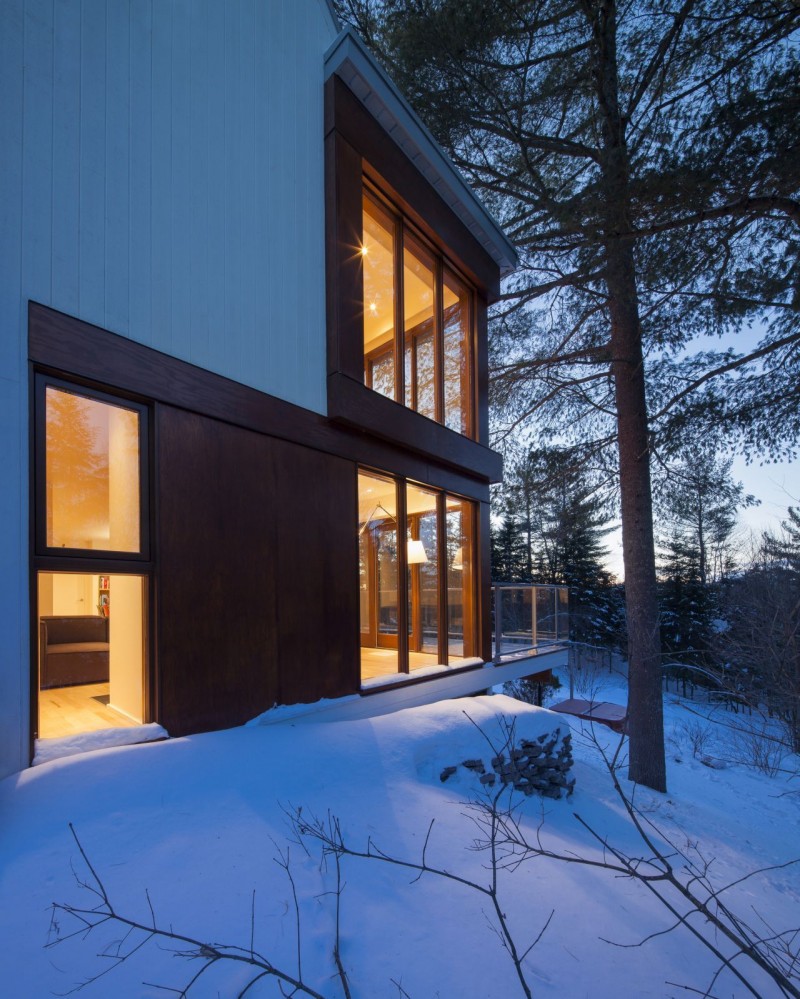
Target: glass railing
pixel 528 618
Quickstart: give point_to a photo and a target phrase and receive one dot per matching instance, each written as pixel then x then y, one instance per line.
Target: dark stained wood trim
pixel 353 403
pixel 403 609
pixel 33 589
pixel 484 609
pixel 480 364
pixel 344 294
pixel 68 347
pixel 387 164
pixel 441 559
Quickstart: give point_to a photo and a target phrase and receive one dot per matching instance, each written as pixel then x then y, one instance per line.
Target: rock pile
pixel 539 766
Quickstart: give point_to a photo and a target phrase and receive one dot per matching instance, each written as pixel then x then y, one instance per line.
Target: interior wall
pixel 126 638
pixel 44 583
pixel 73 593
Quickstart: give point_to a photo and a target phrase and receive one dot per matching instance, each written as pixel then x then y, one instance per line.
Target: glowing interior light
pixel 364 251
pixel 373 308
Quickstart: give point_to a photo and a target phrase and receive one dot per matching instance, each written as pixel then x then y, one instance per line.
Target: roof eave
pixel 354 65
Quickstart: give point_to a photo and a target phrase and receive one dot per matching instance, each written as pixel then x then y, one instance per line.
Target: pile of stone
pixel 539 766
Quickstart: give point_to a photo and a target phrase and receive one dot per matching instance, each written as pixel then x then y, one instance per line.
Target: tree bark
pixel 645 710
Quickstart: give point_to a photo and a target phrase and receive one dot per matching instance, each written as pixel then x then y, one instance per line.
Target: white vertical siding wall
pixel 161 176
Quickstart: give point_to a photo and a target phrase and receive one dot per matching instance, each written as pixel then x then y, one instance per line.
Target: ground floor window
pixel 91 652
pixel 416 576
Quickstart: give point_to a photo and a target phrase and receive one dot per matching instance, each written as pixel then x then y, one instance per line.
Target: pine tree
pixel 697 502
pixel 759 648
pixel 562 517
pixel 508 553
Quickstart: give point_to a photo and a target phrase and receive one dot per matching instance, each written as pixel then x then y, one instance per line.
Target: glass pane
pixel 460 580
pixel 381 368
pixel 418 299
pixel 423 577
pixel 386 540
pixel 457 393
pixel 425 375
pixel 545 613
pixel 378 579
pixel 92 473
pixel 377 256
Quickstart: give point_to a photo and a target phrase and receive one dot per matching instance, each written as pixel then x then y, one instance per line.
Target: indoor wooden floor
pixel 67 711
pixel 383 662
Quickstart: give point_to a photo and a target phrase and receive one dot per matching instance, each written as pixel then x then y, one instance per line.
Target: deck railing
pixel 528 618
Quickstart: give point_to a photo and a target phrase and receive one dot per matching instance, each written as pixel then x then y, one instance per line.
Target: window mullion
pixel 438 342
pixel 399 321
pixel 441 555
pixel 403 609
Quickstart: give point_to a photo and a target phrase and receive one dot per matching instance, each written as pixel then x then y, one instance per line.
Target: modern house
pixel 243 373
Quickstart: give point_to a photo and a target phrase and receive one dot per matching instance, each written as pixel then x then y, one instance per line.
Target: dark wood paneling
pixel 217 629
pixel 316 567
pixel 67 345
pixel 398 176
pixel 352 402
pixel 344 293
pixel 482 370
pixel 258 589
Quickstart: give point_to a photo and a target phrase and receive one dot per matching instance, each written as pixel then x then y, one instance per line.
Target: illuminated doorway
pixel 91 652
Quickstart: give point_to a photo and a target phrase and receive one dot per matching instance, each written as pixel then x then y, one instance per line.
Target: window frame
pixel 42 382
pixel 471 630
pixel 443 263
pixel 359 152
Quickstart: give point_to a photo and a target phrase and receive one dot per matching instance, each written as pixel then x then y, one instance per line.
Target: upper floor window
pixel 418 320
pixel 90 460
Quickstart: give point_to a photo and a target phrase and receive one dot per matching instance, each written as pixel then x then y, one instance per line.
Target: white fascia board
pixel 353 64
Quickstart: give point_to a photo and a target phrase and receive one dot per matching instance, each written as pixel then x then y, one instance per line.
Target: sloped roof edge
pixel 349 59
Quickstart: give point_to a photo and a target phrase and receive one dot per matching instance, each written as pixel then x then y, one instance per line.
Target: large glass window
pixel 422 540
pixel 460 605
pixel 431 619
pixel 418 320
pixel 378 260
pixel 456 356
pixel 92 473
pixel 378 573
pixel 419 353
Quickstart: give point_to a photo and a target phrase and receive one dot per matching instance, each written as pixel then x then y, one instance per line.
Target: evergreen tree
pixel 697 501
pixel 562 517
pixel 759 647
pixel 508 553
pixel 687 603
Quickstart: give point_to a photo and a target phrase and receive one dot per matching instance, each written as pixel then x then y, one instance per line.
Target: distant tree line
pixel 552 518
pixel 729 609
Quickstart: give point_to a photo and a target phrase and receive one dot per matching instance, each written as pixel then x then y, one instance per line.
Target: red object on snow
pixel 615 716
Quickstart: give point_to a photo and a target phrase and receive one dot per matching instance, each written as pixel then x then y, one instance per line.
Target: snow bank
pixel 70 745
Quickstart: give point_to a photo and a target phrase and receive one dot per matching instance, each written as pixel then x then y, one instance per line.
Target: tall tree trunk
pixel 701 537
pixel 645 724
pixel 645 710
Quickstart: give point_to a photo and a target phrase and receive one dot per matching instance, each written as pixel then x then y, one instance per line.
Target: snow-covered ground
pixel 199 822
